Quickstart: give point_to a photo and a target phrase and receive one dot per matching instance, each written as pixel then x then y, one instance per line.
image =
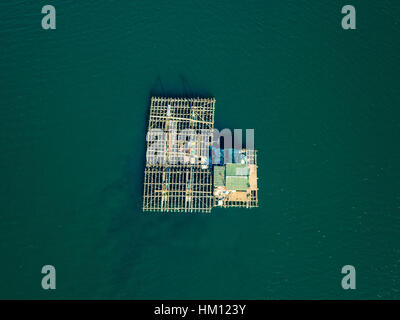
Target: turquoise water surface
pixel 324 103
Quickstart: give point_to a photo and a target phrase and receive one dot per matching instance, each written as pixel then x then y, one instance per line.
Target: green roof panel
pixel 239 183
pixel 219 176
pixel 237 169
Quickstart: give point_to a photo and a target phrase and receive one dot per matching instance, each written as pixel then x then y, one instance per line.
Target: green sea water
pixel 324 103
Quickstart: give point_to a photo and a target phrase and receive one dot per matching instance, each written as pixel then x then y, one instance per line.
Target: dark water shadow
pixel 180 89
pixel 131 234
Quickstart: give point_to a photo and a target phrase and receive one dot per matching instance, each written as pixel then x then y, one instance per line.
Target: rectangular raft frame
pixel 181 187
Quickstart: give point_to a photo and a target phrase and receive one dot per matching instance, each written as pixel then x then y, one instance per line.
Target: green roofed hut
pixel 237 176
